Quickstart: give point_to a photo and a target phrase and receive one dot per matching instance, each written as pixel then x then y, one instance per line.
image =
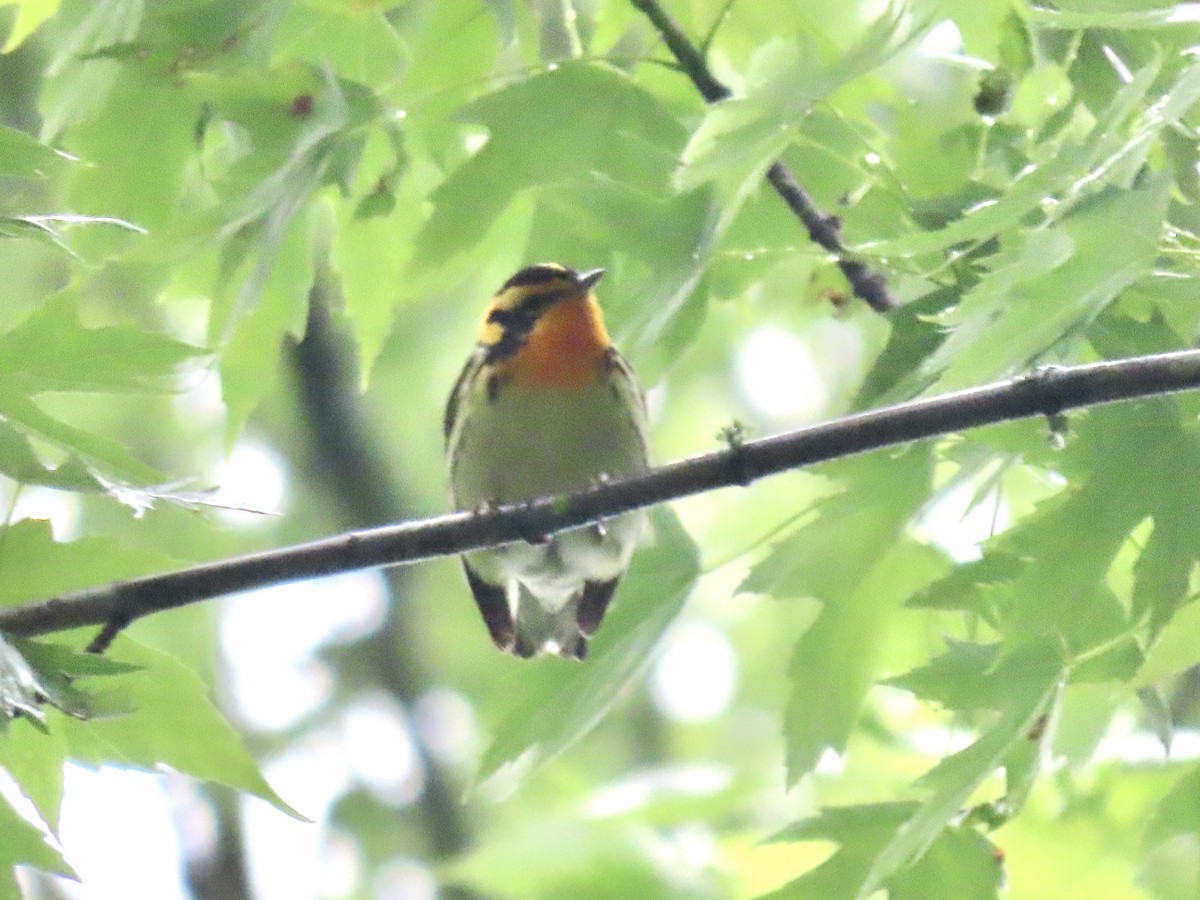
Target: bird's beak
pixel 587 279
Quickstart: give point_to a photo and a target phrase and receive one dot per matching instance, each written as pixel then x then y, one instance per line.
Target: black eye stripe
pixel 537 288
pixel 523 317
pixel 515 325
pixel 519 319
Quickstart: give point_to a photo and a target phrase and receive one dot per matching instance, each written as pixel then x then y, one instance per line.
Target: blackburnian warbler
pixel 546 405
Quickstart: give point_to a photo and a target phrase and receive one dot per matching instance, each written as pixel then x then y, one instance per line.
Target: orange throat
pixel 565 349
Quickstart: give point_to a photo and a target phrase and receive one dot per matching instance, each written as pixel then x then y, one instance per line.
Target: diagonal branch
pixel 1045 392
pixel 823 230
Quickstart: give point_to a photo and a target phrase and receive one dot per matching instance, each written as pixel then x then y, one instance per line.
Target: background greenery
pixel 930 673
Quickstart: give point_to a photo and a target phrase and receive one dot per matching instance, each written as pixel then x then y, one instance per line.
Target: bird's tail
pixel 540 630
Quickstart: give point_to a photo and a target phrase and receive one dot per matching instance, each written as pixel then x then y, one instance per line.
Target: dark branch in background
pixel 338 456
pixel 363 490
pixel 824 230
pixel 1045 392
pixel 222 874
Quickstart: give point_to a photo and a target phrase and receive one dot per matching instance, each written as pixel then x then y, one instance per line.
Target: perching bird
pixel 546 405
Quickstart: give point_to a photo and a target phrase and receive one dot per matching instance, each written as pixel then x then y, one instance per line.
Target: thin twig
pixel 1045 392
pixel 824 230
pixel 717 22
pixel 681 47
pixel 104 638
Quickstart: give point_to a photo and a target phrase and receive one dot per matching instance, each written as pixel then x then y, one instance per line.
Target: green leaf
pixel 33 674
pixel 34 566
pixel 1161 575
pixel 93 450
pixel 20 463
pixel 295 151
pixel 371 252
pixel 740 137
pixel 1047 292
pixel 56 230
pixel 24 845
pixel 958 865
pixel 1178 812
pixel 853 558
pixel 513 862
pixel 588 118
pixel 1048 574
pixel 1174 650
pixel 22 156
pixel 961 588
pixel 1072 540
pixel 30 14
pixel 173 723
pixel 657 312
pixel 861 832
pixel 59 659
pixel 401 158
pixel 359 40
pixel 117 177
pixel 560 702
pixel 438 83
pixel 1103 16
pixel 1035 675
pixel 1158 716
pixel 962 678
pixel 850 530
pixel 45 672
pixel 33 756
pixel 52 351
pixel 1071 170
pixel 250 361
pixel 914 335
pixel 21 691
pixel 864 823
pixel 842 654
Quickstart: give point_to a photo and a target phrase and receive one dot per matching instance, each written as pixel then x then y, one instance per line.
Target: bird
pixel 546 405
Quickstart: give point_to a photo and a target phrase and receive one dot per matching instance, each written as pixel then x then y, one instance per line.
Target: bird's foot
pixel 599 528
pixel 530 535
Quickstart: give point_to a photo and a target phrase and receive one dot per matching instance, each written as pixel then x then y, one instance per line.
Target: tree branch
pixel 1044 392
pixel 823 230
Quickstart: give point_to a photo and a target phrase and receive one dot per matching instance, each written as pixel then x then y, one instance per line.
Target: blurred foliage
pixel 930 673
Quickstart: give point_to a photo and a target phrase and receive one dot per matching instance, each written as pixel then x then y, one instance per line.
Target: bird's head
pixel 546 311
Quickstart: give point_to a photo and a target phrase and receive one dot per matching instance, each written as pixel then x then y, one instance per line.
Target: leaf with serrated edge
pixel 567 700
pixel 1037 677
pixel 172 724
pixel 24 844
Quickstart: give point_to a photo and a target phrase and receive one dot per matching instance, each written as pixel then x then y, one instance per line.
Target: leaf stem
pixel 823 229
